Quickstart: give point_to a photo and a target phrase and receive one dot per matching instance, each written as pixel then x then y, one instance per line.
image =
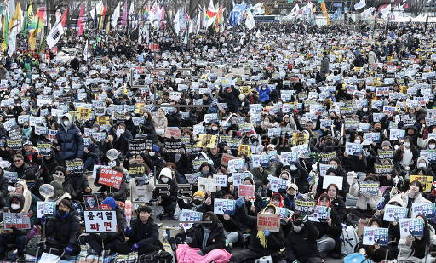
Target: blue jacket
pixel 71 142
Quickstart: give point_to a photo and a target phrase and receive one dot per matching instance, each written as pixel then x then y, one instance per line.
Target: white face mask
pixel 15 206
pixel 120 131
pixel 165 180
pixel 431 146
pixel 407 144
pixel 214 128
pixel 67 123
pixel 297 229
pixel 422 165
pixel 152 154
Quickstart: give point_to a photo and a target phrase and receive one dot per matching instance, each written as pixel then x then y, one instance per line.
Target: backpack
pixel 349 240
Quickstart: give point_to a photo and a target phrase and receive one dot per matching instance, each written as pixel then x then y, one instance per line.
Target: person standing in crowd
pixel 69 140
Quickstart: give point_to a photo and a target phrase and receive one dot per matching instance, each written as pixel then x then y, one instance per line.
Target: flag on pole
pixel 210 14
pixel 57 30
pixel 116 15
pixel 325 13
pixel 125 14
pixel 81 21
pixel 5 32
pixel 14 28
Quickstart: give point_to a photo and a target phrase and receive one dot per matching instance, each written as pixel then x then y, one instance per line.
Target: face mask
pixel 120 131
pixel 334 166
pixel 165 180
pixel 197 202
pixel 357 141
pixel 297 229
pixel 422 165
pixel 214 128
pixel 292 167
pixel 67 123
pixel 407 144
pixel 152 154
pixel 205 171
pixel 365 109
pixel 15 206
pixel 431 146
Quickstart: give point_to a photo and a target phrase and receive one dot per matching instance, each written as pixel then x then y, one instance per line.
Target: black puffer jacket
pixel 145 235
pixel 71 143
pixel 216 240
pixel 63 229
pixel 300 246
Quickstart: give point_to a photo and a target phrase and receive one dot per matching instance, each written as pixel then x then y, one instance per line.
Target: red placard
pixel 268 222
pixel 246 191
pixel 110 178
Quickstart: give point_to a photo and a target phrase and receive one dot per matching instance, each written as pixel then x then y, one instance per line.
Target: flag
pixel 116 15
pixel 178 20
pixel 30 22
pixel 81 21
pixel 86 51
pixel 361 4
pixel 102 13
pixel 5 32
pixel 325 13
pixel 14 28
pixel 57 30
pixel 210 15
pixel 249 20
pixel 125 14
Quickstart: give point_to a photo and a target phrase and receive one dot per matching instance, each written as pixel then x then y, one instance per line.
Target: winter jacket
pixel 75 185
pixel 26 172
pixel 301 246
pixel 364 201
pixel 71 143
pixel 63 229
pixel 216 239
pixel 145 235
pixel 121 143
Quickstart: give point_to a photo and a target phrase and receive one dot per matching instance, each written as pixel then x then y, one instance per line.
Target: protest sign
pixel 427 209
pixel 14 144
pixel 246 191
pixel 425 180
pixel 74 166
pixel 328 180
pixel 220 179
pixel 91 202
pixel 192 178
pixel 369 188
pixel 320 214
pixel 237 178
pixel 375 235
pixel 137 146
pixel 385 154
pixel 136 169
pixel 304 206
pixel 11 177
pixel 323 168
pixel 207 185
pixel 394 213
pixel 224 206
pixel 396 134
pixel 187 215
pixel 383 169
pixel 284 212
pixel 353 148
pixel 45 208
pixel 326 157
pixel 411 227
pixel 173 146
pixel 235 165
pixel 268 222
pixel 44 149
pixel 110 178
pixel 207 140
pixel 19 221
pixel 100 221
pixel 276 184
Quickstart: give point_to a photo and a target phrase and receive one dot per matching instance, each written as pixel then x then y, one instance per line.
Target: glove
pixel 69 249
pixel 135 247
pixel 266 232
pixel 240 202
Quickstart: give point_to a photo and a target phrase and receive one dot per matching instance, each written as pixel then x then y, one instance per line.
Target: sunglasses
pixel 17 161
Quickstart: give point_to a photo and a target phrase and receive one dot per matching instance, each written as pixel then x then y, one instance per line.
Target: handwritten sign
pixel 267 222
pixel 100 221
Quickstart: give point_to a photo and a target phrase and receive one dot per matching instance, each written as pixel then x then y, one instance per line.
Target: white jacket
pixel 364 199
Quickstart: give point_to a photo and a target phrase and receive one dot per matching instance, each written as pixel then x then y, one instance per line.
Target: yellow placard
pixel 207 140
pixel 425 180
pixel 103 120
pixel 244 149
pixel 83 113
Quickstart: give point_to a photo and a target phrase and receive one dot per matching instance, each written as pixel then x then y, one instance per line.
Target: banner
pixel 99 221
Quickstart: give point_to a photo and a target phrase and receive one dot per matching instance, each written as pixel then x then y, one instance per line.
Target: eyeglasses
pixel 17 161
